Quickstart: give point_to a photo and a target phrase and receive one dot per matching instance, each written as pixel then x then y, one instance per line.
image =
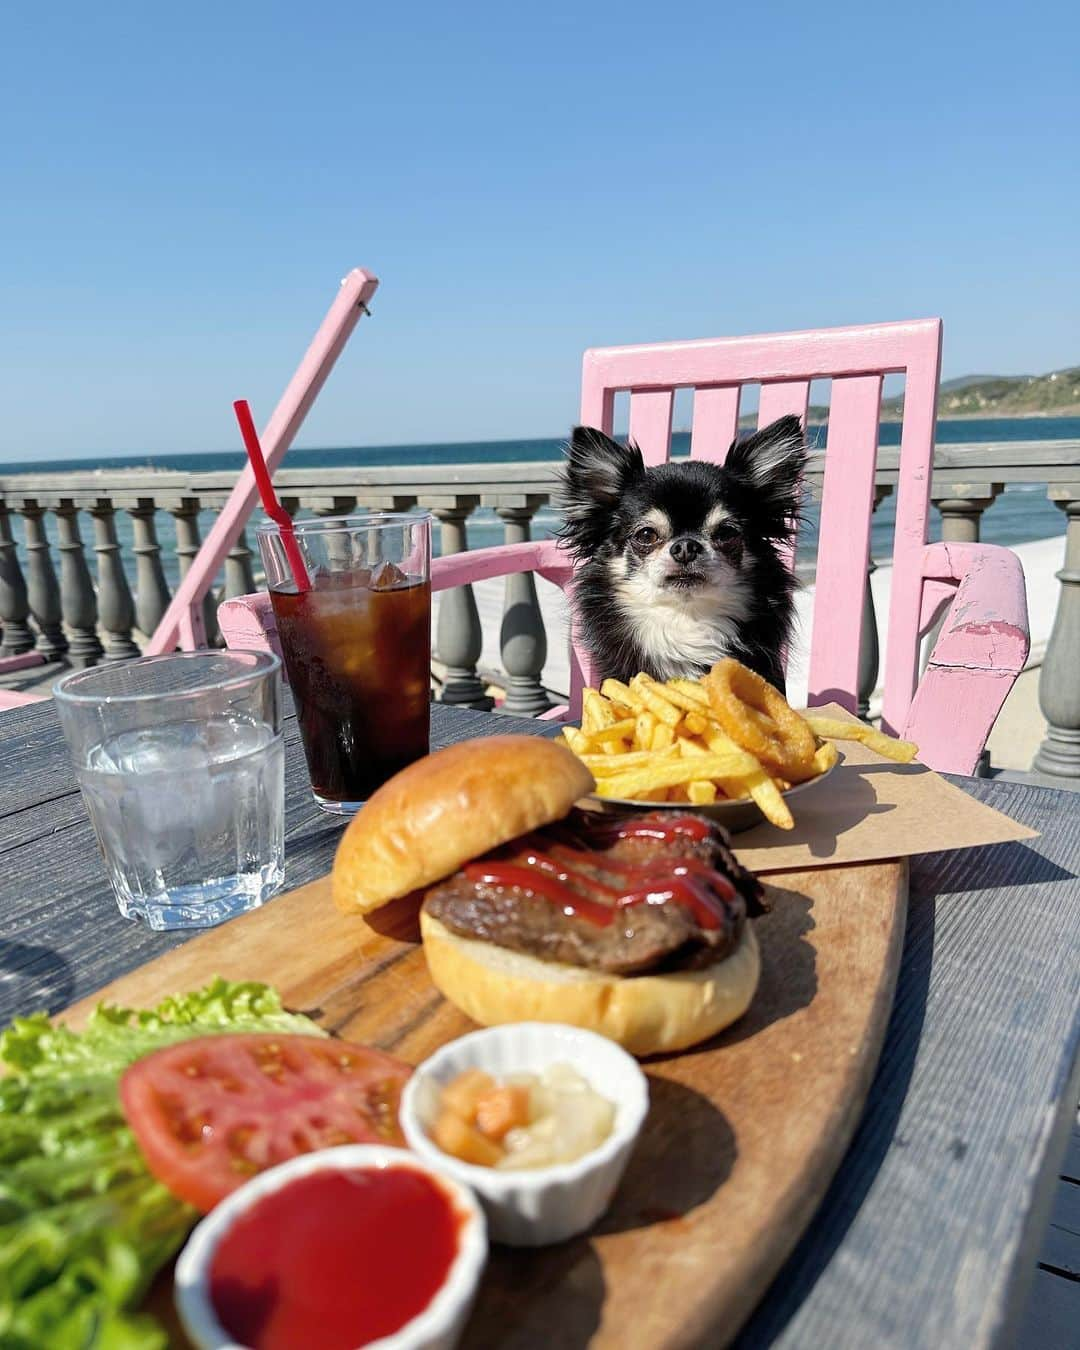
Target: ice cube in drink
pixel 189 817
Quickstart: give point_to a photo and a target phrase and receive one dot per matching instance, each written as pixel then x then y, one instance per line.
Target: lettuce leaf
pixel 84 1227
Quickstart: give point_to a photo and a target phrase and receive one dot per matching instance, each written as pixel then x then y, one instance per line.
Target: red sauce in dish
pixel 334 1259
pixel 567 877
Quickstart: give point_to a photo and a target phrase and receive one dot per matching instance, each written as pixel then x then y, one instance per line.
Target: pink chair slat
pixel 716 422
pixel 982 647
pixel 822 353
pixel 783 399
pixel 182 622
pixel 844 539
pixel 597 406
pixel 650 423
pixel 912 512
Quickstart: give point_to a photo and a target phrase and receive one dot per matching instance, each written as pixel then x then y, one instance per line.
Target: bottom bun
pixel 645 1014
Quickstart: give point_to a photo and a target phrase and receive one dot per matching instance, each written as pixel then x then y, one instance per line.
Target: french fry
pixel 767 795
pixel 722 744
pixel 832 729
pixel 825 757
pixel 596 711
pixel 701 793
pixel 690 690
pixel 607 766
pixel 617 692
pixel 616 731
pixel 696 723
pixel 663 736
pixel 643 730
pixel 577 740
pixel 670 773
pixel 687 746
pixel 653 697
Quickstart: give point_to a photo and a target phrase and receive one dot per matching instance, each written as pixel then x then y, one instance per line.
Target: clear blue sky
pixel 183 185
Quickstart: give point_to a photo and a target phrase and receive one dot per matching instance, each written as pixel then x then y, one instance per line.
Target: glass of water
pixel 182 769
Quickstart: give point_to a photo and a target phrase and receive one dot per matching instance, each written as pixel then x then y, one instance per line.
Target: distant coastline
pixel 950 431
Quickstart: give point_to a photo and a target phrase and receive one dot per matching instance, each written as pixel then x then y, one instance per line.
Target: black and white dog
pixel 680 565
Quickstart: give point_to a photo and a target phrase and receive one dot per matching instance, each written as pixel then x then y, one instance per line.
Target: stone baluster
pixel 14 605
pixel 459 637
pixel 522 639
pixel 185 514
pixel 116 608
pixel 961 511
pixel 151 588
pixel 239 574
pixel 77 599
pixel 337 544
pixel 1059 679
pixel 43 590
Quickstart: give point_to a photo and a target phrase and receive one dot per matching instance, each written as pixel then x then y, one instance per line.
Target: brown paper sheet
pixel 871 808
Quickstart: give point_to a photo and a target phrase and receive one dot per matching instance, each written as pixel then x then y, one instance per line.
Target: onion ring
pixel 759 719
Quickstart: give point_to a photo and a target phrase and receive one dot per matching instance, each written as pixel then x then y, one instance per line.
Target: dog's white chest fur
pixel 682 631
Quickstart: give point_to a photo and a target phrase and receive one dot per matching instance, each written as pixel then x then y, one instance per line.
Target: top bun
pixel 449 808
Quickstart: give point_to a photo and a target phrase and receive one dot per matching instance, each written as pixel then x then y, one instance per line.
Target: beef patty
pixel 690 901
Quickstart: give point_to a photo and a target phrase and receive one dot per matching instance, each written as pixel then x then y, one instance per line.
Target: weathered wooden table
pixel 946 1225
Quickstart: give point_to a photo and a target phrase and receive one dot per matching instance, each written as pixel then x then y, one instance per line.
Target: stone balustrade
pixel 157 518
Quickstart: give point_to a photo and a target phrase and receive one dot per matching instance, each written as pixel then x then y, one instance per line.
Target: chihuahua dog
pixel 681 564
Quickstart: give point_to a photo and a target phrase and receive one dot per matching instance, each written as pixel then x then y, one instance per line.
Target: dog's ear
pixel 596 474
pixel 770 463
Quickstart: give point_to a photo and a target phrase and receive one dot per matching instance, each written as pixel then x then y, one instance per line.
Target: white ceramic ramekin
pixel 438 1327
pixel 530 1208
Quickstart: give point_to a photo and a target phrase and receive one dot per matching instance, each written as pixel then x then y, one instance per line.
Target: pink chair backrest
pixel 856 360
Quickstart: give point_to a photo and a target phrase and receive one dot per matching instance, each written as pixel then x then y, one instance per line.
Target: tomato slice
pixel 209 1113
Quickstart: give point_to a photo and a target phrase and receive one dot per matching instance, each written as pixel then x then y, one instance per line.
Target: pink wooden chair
pixel 983 642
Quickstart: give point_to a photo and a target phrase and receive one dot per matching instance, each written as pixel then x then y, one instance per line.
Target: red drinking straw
pixel 271 505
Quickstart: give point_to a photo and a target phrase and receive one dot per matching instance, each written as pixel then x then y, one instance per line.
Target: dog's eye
pixel 725 532
pixel 645 537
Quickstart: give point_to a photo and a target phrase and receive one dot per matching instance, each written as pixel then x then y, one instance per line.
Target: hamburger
pixel 533 909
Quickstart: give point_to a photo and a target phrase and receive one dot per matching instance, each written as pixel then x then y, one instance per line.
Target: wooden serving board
pixel 743 1134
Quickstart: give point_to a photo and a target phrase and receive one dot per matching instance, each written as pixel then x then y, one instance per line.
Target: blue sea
pixel 1022 512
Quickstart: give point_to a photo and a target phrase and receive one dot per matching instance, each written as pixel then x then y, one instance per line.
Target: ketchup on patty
pixel 335 1259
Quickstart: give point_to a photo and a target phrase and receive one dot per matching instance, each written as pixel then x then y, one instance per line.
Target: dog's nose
pixel 685 549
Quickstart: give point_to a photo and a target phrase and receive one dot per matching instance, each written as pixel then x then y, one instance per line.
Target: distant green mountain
pixel 1053 395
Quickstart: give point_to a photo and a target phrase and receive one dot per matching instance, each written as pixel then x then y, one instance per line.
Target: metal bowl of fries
pixel 735 814
pixel 687 745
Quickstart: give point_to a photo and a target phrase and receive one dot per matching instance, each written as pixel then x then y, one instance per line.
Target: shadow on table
pixel 33 978
pixel 875 1135
pixel 554 1296
pixel 685 1153
pixel 1014 863
pixel 788 965
pixel 525 1296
